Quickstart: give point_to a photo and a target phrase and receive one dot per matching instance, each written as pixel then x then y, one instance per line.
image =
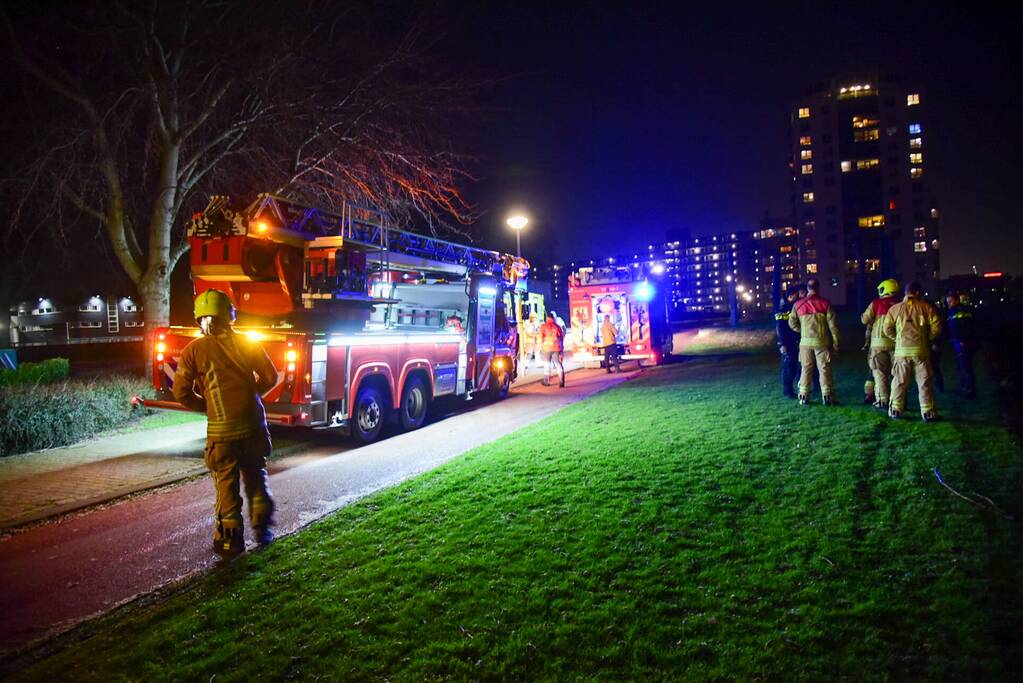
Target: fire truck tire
pixel 500 384
pixel 415 403
pixel 370 415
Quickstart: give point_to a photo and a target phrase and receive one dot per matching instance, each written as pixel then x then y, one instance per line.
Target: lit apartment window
pixel 866 135
pixel 864 122
pixel 919 246
pixel 920 232
pixel 805 154
pixel 912 98
pixel 871 221
pixel 916 157
pixel 916 172
pixel 846 166
pixel 804 112
pixel 807 169
pixel 811 267
pixel 916 143
pixel 873 264
pixel 934 213
pixel 934 244
pixel 865 164
pixel 915 129
pixel 808 197
pixel 804 140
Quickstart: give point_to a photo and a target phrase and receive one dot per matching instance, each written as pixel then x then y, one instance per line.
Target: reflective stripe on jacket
pixel 551 338
pixel 872 319
pixel 814 319
pixel 217 375
pixel 787 337
pixel 913 325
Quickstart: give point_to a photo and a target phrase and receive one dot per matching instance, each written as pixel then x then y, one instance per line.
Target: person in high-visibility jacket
pixel 912 324
pixel 609 342
pixel 814 319
pixel 879 356
pixel 552 343
pixel 224 375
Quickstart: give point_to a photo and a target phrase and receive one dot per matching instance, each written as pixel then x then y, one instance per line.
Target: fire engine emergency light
pixel 643 291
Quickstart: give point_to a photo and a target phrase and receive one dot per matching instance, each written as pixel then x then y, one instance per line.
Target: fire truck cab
pixel 634 300
pixel 366 325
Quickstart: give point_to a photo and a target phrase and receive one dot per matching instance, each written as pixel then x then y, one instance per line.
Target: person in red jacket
pixel 552 343
pixel 814 319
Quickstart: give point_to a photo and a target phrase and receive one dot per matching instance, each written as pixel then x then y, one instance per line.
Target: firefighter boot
pixel 881 405
pixel 930 416
pixel 804 400
pixel 830 400
pixel 229 541
pixel 868 393
pixel 262 511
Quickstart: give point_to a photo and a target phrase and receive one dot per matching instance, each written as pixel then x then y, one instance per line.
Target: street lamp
pixel 516 223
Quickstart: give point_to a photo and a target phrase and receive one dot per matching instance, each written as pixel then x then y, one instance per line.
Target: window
pixel 805 154
pixel 864 122
pixel 919 246
pixel 807 169
pixel 916 157
pixel 912 99
pixel 920 232
pixel 916 143
pixel 934 213
pixel 915 129
pixel 811 253
pixel 934 245
pixel 916 172
pixel 846 166
pixel 811 267
pixel 871 221
pixel 866 135
pixel 804 140
pixel 808 225
pixel 891 131
pixel 804 112
pixel 873 264
pixel 864 164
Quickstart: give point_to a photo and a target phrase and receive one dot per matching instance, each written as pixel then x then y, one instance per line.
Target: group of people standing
pixel 903 338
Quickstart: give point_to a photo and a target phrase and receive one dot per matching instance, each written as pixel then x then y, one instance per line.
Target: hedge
pixel 36 416
pixel 51 370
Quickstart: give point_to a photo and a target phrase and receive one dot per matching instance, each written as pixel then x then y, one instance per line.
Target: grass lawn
pixel 161 418
pixel 688 524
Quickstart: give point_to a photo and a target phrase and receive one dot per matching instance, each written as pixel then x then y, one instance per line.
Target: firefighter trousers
pixel 906 369
pixel 880 363
pixel 232 463
pixel 811 358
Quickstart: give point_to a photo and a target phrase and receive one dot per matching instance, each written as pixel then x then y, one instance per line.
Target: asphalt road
pixel 57 574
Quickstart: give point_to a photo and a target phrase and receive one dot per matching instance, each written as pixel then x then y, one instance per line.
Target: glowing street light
pixel 517 222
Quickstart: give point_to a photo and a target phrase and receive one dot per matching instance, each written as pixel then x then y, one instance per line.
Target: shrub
pixel 51 370
pixel 35 416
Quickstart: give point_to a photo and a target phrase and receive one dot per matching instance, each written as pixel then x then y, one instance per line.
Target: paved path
pixel 55 575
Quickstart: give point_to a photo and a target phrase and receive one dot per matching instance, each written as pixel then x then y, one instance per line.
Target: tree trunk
pixel 155 293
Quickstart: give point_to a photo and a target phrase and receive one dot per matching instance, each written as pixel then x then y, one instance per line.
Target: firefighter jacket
pixel 913 325
pixel 608 334
pixel 872 319
pixel 787 337
pixel 551 338
pixel 216 376
pixel 960 324
pixel 814 319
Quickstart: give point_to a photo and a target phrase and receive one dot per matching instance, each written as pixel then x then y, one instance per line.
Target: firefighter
pixel 788 341
pixel 552 343
pixel 879 356
pixel 532 339
pixel 609 341
pixel 962 333
pixel 814 319
pixel 224 374
pixel 912 324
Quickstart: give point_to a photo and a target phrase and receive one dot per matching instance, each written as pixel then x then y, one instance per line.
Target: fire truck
pixel 634 298
pixel 366 324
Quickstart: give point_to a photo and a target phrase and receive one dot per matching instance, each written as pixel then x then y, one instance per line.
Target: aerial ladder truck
pixel 367 324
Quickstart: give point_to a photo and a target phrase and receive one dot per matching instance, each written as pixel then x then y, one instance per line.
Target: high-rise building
pixel 860 199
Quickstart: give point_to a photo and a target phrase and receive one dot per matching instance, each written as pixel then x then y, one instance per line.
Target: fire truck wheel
pixel 414 403
pixel 369 415
pixel 500 384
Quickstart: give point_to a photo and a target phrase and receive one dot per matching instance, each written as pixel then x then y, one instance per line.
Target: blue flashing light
pixel 643 291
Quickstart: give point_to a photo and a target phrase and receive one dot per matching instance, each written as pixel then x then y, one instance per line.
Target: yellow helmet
pixel 888 287
pixel 214 303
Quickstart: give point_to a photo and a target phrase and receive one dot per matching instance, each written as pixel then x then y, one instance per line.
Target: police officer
pixel 879 355
pixel 814 319
pixel 788 341
pixel 224 374
pixel 963 335
pixel 913 324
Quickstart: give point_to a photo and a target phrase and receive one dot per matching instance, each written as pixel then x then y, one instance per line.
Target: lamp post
pixel 516 223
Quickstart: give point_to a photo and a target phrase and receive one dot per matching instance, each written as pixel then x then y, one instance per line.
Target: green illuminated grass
pixel 690 524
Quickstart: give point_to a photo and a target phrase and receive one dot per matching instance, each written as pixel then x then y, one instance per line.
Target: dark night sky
pixel 620 121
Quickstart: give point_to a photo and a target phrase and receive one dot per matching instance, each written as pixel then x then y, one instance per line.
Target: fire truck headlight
pixel 292 355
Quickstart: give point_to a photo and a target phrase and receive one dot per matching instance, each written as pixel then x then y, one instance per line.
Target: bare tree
pixel 157 106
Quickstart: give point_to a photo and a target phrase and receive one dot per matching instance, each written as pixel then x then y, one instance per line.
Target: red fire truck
pixel 634 299
pixel 366 324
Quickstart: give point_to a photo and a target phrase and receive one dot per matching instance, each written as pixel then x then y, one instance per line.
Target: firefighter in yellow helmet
pixel 913 325
pixel 879 356
pixel 224 375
